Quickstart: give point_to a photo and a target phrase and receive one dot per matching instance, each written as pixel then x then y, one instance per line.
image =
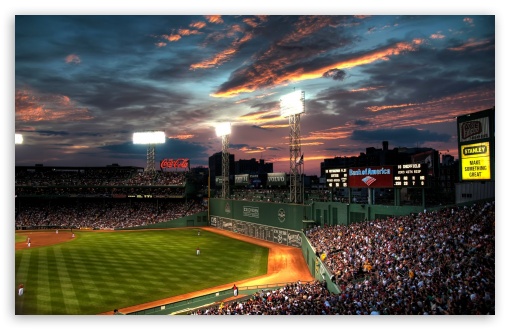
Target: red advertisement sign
pixel 371 177
pixel 174 163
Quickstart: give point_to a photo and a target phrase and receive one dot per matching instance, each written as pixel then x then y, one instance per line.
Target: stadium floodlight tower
pixel 18 139
pixel 223 130
pixel 150 138
pixel 292 105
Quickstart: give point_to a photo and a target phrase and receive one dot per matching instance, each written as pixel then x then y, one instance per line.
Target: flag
pixel 301 160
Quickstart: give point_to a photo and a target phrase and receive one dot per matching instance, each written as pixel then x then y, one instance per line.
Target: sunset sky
pixel 85 84
pixel 78 87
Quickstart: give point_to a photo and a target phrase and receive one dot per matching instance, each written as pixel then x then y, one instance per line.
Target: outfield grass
pixel 100 271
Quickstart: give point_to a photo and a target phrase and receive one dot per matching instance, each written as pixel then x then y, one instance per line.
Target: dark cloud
pixel 258 127
pixel 335 74
pixel 238 146
pixel 53 133
pixel 402 136
pixel 361 122
pixel 303 47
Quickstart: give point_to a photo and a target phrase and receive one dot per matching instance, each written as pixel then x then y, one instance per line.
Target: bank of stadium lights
pixel 292 105
pixel 18 139
pixel 223 130
pixel 150 138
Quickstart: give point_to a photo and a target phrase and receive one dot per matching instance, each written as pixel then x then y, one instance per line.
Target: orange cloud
pixel 321 135
pixel 216 19
pixel 188 32
pixel 218 59
pixel 468 20
pixel 73 58
pixel 172 37
pixel 182 136
pixel 371 57
pixel 31 106
pixel 255 21
pixel 261 118
pixel 366 89
pixel 275 126
pixel 198 25
pixel 266 75
pixel 437 36
pixel 386 107
pixel 471 43
pixel 222 56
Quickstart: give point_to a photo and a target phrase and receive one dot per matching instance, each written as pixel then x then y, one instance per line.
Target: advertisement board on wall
pixel 371 177
pixel 268 233
pixel 174 163
pixel 475 159
pixel 473 130
pixel 276 179
pixel 242 179
pixel 430 158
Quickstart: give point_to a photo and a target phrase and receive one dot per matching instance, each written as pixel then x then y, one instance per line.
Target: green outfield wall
pixel 299 216
pixel 333 213
pixel 288 216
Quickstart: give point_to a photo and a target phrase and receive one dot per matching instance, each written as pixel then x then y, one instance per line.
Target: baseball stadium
pixel 377 239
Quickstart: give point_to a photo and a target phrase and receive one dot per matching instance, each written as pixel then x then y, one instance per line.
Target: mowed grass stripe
pixel 43 281
pixel 107 270
pixel 70 302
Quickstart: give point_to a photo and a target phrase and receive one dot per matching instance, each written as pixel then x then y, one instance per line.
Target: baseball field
pixel 98 271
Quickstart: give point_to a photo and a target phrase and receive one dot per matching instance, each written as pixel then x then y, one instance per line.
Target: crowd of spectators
pixel 98 177
pixel 99 182
pixel 109 197
pixel 435 263
pixel 262 195
pixel 102 213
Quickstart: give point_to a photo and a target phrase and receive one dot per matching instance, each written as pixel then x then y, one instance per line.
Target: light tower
pixel 293 105
pixel 150 139
pixel 223 130
pixel 18 139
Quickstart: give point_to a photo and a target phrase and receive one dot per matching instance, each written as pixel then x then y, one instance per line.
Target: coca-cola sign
pixel 174 163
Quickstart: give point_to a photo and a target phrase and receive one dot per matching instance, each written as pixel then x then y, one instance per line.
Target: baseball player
pixel 20 289
pixel 198 251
